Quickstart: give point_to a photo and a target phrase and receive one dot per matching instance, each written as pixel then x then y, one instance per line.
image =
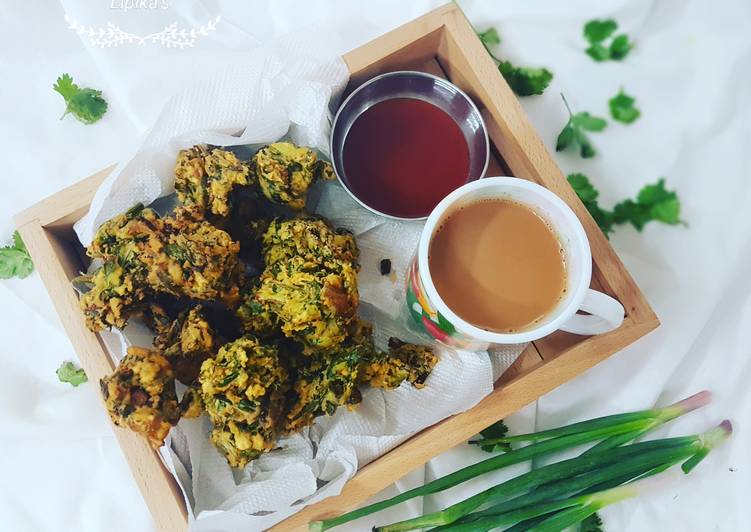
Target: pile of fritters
pixel 253 303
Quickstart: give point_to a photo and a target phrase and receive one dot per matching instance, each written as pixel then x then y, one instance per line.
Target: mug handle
pixel 605 314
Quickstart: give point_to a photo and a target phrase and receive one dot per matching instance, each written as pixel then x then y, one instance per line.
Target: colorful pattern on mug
pixel 428 317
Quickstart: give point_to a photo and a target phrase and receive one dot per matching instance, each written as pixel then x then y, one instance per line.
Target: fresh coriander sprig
pixel 15 260
pixel 87 105
pixel 573 133
pixel 70 373
pixel 524 81
pixel 622 108
pixel 492 434
pixel 588 195
pixel 653 203
pixel 597 32
pixel 490 38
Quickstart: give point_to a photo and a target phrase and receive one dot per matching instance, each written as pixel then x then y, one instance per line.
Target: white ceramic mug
pixel 437 319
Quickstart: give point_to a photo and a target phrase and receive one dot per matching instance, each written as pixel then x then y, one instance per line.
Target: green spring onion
pixel 612 431
pixel 622 462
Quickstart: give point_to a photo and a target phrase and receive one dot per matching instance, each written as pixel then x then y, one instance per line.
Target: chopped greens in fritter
pixel 285 172
pixel 309 286
pixel 206 177
pixel 310 238
pixel 242 391
pixel 187 342
pixel 141 395
pixel 180 255
pixel 314 303
pixel 191 404
pixel 404 362
pixel 190 335
pixel 323 384
pixel 114 297
pixel 255 317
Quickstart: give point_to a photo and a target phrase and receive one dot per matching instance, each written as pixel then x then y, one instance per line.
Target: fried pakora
pixel 187 342
pixel 310 238
pixel 256 318
pixel 242 389
pixel 206 177
pixel 191 404
pixel 404 362
pixel 308 289
pixel 323 384
pixel 180 255
pixel 314 303
pixel 112 299
pixel 141 395
pixel 292 295
pixel 285 172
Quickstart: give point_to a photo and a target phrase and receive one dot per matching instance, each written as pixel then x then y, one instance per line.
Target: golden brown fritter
pixel 157 318
pixel 141 395
pixel 256 319
pixel 191 404
pixel 188 336
pixel 285 172
pixel 404 362
pixel 113 298
pixel 314 303
pixel 196 260
pixel 206 177
pixel 309 286
pixel 242 389
pixel 311 238
pixel 187 342
pixel 323 383
pixel 180 255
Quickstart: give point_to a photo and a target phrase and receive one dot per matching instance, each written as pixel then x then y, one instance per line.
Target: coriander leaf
pixel 573 133
pixel 593 523
pixel 489 37
pixel 586 150
pixel 620 47
pixel 65 86
pixel 15 260
pixel 598 52
pixel 583 188
pixel 654 202
pixel 596 31
pixel 525 81
pixel 494 431
pixel 588 195
pixel 68 372
pixel 586 121
pixel 86 105
pixel 565 137
pixel 622 108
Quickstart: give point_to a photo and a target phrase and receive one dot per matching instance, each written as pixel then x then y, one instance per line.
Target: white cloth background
pixel 691 74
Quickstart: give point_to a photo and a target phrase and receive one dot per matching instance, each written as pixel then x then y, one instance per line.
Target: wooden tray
pixel 442 43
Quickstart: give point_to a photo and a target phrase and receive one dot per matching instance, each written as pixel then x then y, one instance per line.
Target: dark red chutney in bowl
pixel 403 141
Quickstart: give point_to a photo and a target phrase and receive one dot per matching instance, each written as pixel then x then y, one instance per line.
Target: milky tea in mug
pixel 505 261
pixel 498 265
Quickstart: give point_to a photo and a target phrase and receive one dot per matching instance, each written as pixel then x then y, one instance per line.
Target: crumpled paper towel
pixel 285 89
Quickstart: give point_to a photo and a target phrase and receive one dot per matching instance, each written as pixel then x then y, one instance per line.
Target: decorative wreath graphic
pixel 170 36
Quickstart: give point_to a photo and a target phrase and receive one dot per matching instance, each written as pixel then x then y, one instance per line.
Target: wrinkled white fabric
pixel 690 73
